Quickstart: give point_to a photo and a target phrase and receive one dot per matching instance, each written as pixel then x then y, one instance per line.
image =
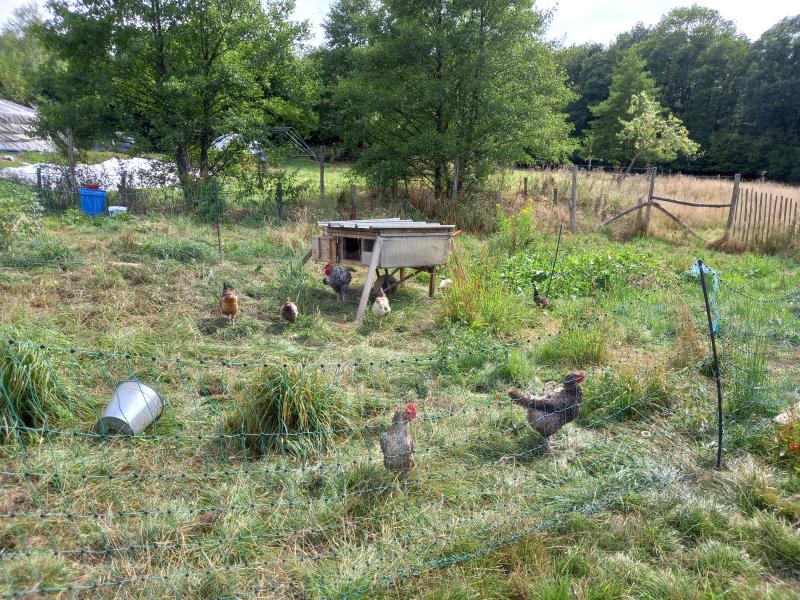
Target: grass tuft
pixel 291 409
pixel 575 348
pixel 31 393
pixel 625 394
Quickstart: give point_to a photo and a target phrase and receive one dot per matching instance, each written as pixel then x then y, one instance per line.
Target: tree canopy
pixel 175 74
pixel 450 78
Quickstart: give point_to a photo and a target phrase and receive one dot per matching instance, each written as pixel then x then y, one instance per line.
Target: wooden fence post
pixel 650 192
pixel 525 187
pixel 39 178
pixel 71 160
pixel 732 210
pixel 574 203
pixel 322 175
pixel 279 200
pixel 454 192
pixel 555 196
pixel 352 202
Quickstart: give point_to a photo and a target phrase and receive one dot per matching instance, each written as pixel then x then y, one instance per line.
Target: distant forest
pixel 403 87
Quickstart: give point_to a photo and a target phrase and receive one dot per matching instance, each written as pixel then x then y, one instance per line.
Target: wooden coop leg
pixel 432 285
pixel 373 268
pixel 402 276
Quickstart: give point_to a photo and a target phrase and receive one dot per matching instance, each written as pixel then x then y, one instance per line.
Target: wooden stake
pixel 732 210
pixel 352 202
pixel 649 200
pixel 373 266
pixel 574 202
pixel 322 174
pixel 454 192
pixel 525 187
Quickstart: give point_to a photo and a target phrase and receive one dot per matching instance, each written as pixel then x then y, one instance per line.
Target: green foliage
pixel 472 80
pixel 290 409
pixel 21 55
pixel 651 135
pixel 31 392
pixel 479 300
pixel 517 232
pixel 630 78
pixel 181 74
pixel 20 212
pixel 582 272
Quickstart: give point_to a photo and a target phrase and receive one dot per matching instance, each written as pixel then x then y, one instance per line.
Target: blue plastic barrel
pixel 93 202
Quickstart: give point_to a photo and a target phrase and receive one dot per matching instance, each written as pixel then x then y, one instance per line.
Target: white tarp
pixel 16 129
pixel 140 173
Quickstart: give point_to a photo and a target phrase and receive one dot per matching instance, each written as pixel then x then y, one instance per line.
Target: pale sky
pixel 578 21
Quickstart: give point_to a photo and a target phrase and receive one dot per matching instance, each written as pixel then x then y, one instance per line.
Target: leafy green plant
pixel 20 212
pixel 31 392
pixel 580 271
pixel 291 409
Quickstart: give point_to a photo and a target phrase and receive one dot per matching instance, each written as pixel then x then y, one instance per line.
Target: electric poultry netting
pixel 209 502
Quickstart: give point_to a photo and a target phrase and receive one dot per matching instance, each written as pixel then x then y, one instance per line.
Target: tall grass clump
pixel 31 393
pixel 750 390
pixel 480 301
pixel 579 347
pixel 290 409
pixel 624 394
pixel 182 251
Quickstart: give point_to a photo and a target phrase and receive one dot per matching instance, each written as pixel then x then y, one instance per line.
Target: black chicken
pixel 550 412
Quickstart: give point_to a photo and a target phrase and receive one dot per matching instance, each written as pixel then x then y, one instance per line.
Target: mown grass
pixel 627 506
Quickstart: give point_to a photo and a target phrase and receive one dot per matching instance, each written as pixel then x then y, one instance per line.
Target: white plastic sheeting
pixel 16 129
pixel 139 173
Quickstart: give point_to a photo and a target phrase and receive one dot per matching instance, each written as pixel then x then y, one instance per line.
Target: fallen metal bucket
pixel 134 406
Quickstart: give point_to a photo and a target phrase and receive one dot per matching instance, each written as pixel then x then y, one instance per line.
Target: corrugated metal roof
pixel 374 224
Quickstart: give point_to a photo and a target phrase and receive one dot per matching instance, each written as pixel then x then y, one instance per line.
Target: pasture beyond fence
pixel 213 502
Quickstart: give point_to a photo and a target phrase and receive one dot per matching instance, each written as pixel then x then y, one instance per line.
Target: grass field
pixel 627 506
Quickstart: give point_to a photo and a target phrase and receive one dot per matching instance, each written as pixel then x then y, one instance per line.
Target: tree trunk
pixel 438 181
pixel 184 164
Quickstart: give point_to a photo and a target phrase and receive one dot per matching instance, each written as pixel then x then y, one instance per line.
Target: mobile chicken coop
pixel 390 244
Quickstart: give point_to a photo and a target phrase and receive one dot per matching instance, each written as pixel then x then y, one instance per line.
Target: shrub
pixel 20 212
pixel 517 232
pixel 290 409
pixel 31 393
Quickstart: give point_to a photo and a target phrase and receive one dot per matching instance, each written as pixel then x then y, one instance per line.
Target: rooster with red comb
pixel 397 444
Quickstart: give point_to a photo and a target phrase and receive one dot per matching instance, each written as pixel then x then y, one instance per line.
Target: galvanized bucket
pixel 134 406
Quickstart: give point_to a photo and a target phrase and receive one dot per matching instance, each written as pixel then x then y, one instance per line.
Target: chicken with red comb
pixel 550 412
pixel 338 278
pixel 397 444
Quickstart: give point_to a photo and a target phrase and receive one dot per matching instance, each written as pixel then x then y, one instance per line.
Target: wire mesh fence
pixel 266 476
